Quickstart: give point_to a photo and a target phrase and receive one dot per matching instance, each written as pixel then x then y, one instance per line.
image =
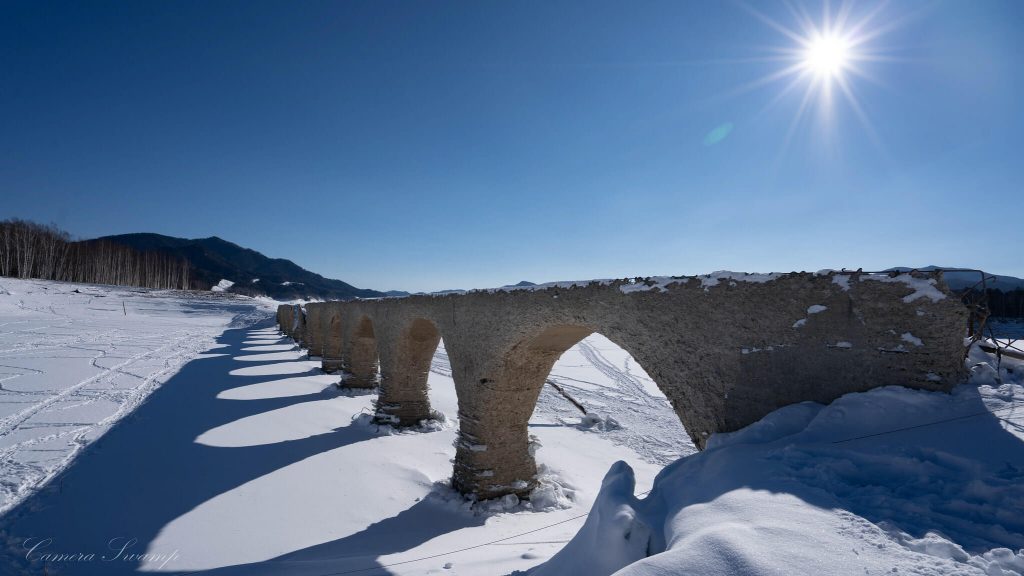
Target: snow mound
pixel 613 535
pixel 387 425
pixel 222 286
pixel 593 421
pixel 551 493
pixel 887 481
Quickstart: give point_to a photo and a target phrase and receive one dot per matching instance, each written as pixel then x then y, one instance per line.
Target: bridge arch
pixel 405 367
pixel 725 353
pixel 493 454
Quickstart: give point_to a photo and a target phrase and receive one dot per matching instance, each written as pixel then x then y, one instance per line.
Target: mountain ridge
pixel 966 278
pixel 213 259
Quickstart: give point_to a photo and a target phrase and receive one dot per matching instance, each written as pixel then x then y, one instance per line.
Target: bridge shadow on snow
pixel 358 553
pixel 148 468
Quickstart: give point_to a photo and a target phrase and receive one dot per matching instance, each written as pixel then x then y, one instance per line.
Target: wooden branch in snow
pixel 567 396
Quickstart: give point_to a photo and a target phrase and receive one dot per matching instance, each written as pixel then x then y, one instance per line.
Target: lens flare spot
pixel 718 134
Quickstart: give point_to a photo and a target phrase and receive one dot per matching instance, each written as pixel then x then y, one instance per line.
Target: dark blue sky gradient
pixel 428 145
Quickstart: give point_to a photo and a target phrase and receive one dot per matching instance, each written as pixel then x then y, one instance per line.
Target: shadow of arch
pixel 159 471
pixel 279 388
pixel 360 552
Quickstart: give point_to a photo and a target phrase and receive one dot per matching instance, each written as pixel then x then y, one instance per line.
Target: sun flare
pixel 824 57
pixel 827 56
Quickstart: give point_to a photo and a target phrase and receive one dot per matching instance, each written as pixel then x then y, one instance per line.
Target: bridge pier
pixel 492 452
pixel 333 339
pixel 287 315
pixel 404 369
pixel 315 314
pixel 726 349
pixel 299 325
pixel 493 455
pixel 360 359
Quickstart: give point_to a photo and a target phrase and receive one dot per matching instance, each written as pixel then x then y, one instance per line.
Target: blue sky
pixel 428 145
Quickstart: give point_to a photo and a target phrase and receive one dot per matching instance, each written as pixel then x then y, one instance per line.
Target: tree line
pixel 32 250
pixel 1009 304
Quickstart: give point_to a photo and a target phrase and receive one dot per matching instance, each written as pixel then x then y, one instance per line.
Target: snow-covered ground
pixel 891 481
pixel 1012 328
pixel 76 358
pixel 173 433
pixel 249 461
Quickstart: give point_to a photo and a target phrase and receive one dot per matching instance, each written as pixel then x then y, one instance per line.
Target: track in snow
pixel 71 367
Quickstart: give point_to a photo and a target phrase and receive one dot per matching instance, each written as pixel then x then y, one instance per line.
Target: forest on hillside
pixel 32 250
pixel 1008 304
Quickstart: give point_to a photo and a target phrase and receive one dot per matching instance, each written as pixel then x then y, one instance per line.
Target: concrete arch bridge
pixel 726 349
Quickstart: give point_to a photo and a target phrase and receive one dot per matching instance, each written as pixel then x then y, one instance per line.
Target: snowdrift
pixel 890 481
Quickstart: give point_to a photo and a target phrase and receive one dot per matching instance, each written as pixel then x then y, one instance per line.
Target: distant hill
pixel 965 280
pixel 247 271
pixel 1005 293
pixel 521 284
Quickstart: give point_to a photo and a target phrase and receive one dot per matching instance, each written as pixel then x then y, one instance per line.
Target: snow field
pixel 891 481
pixel 248 460
pixel 186 429
pixel 75 359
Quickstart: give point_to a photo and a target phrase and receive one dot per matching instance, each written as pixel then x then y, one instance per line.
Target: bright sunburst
pixel 825 55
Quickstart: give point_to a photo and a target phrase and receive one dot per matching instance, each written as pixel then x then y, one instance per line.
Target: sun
pixel 827 56
pixel 824 57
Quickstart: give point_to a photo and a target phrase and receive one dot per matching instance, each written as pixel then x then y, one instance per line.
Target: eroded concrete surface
pixel 726 349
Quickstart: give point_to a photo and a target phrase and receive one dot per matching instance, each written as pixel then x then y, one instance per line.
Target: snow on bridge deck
pixel 725 348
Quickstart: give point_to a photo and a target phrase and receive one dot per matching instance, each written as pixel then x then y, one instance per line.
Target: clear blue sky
pixel 428 145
